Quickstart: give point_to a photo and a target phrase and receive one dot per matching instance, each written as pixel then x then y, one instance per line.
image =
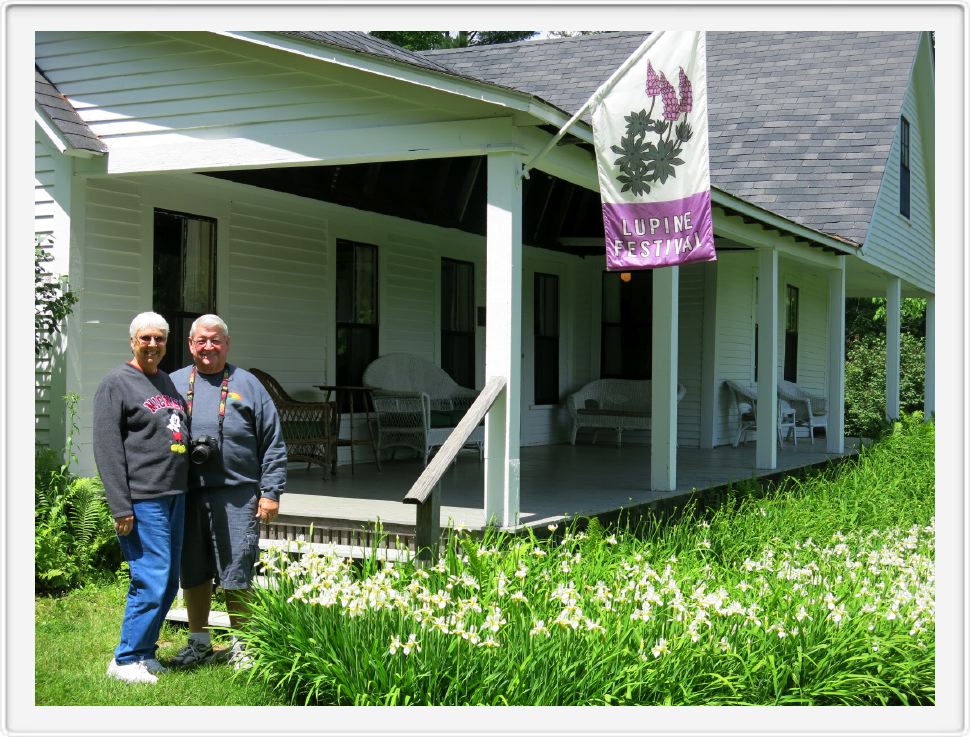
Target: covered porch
pixel 557 482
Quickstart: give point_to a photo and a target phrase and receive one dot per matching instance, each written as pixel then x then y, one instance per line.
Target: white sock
pixel 203 638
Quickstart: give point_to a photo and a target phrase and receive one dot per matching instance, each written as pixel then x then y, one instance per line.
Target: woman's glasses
pixel 149 339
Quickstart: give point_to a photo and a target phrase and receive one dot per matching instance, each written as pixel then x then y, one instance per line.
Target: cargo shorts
pixel 221 537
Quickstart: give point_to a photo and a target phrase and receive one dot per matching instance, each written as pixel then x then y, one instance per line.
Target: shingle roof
pixel 800 123
pixel 367 44
pixel 63 115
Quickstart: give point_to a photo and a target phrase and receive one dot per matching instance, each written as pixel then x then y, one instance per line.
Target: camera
pixel 203 449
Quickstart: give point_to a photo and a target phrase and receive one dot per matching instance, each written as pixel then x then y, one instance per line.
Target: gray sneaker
pixel 193 654
pixel 136 672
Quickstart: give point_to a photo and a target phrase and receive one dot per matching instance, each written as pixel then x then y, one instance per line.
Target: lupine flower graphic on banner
pixel 652 154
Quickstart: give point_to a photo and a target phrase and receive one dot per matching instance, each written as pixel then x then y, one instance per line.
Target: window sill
pixel 546 407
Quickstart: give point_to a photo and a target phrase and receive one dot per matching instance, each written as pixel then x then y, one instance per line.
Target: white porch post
pixel 709 384
pixel 893 304
pixel 766 451
pixel 503 331
pixel 835 396
pixel 929 386
pixel 663 421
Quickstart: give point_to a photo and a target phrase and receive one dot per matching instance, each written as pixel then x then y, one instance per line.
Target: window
pixel 546 338
pixel 625 350
pixel 791 334
pixel 458 320
pixel 183 277
pixel 357 314
pixel 903 167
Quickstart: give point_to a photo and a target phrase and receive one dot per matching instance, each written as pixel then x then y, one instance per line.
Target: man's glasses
pixel 149 339
pixel 200 342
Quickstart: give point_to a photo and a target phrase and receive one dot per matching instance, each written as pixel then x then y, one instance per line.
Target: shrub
pixel 74 538
pixel 865 382
pixel 821 593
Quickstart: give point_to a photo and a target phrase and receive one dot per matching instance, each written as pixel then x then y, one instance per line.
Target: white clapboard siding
pixel 409 272
pixel 690 353
pixel 735 339
pixel 178 87
pixel 276 301
pixel 44 213
pixel 901 246
pixel 812 324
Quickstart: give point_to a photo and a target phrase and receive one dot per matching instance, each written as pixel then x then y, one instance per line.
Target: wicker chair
pixel 417 404
pixel 810 409
pixel 309 428
pixel 746 405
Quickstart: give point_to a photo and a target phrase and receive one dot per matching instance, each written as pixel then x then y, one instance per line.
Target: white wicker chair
pixel 746 405
pixel 417 404
pixel 613 404
pixel 810 409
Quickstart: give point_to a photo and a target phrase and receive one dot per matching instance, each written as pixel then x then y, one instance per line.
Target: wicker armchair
pixel 746 405
pixel 309 428
pixel 417 404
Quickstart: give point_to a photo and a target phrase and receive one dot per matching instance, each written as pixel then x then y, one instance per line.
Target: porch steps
pixel 220 620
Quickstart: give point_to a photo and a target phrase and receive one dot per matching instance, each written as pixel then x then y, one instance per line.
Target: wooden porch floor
pixel 556 481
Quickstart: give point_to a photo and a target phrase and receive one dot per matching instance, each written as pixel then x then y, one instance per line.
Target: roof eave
pixel 777 222
pixel 57 138
pixel 522 102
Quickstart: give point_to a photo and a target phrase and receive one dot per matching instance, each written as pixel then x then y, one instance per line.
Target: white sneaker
pixel 136 672
pixel 154 667
pixel 239 659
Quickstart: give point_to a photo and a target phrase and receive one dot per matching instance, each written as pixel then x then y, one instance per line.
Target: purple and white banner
pixel 650 135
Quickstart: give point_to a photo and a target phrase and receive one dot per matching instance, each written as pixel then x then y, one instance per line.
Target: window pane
pixel 366 285
pixel 625 351
pixel 197 265
pixel 457 320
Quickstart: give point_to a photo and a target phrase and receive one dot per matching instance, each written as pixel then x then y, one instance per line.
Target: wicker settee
pixel 613 404
pixel 417 404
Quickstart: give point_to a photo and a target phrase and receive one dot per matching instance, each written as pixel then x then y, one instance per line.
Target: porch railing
pixel 426 491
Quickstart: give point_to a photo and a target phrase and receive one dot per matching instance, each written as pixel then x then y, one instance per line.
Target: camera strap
pixel 223 395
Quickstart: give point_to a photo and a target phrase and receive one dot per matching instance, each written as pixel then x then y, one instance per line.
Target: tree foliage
pixel 53 299
pixel 425 40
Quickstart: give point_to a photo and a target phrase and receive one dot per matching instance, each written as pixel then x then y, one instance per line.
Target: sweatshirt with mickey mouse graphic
pixel 140 438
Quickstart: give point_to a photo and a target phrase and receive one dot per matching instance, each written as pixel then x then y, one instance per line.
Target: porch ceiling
pixel 446 192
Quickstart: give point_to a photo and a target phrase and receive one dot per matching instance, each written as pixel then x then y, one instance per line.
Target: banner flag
pixel 650 136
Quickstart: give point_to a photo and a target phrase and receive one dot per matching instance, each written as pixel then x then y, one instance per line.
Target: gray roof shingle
pixel 63 115
pixel 367 44
pixel 813 110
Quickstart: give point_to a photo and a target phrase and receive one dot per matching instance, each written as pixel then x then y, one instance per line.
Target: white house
pixel 336 198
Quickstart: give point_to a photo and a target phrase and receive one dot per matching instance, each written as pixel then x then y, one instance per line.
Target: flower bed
pixel 782 600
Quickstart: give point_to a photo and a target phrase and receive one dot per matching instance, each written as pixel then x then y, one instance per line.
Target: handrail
pixel 432 474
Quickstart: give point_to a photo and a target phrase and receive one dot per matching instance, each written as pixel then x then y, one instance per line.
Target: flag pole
pixel 601 90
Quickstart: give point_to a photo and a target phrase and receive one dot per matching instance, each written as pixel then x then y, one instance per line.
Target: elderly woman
pixel 140 450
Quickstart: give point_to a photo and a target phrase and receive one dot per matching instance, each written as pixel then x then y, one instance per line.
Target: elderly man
pixel 237 474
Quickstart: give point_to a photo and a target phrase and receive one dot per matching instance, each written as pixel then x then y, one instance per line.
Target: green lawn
pixel 75 636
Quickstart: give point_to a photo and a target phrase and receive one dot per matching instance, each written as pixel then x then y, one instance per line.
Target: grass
pixel 75 636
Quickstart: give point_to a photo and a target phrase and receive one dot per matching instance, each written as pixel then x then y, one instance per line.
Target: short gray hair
pixel 147 321
pixel 212 321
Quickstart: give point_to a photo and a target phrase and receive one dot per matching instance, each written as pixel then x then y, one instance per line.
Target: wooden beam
pixel 835 395
pixel 766 451
pixel 427 529
pixel 663 421
pixel 893 325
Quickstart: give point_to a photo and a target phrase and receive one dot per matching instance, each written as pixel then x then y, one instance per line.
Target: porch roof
pixel 60 113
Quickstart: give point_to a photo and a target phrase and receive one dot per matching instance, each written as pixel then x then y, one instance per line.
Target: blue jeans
pixel 153 549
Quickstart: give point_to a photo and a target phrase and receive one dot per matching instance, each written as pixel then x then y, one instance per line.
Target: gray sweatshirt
pixel 140 437
pixel 252 450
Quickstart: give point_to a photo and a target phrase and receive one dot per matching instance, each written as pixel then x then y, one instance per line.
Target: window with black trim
pixel 627 330
pixel 357 310
pixel 183 277
pixel 791 334
pixel 458 320
pixel 546 338
pixel 903 167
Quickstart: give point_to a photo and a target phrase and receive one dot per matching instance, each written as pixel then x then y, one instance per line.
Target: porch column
pixel 503 335
pixel 663 421
pixel 929 385
pixel 709 383
pixel 766 450
pixel 893 304
pixel 835 395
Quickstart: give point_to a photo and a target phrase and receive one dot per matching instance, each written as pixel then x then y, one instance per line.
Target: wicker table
pixel 343 396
